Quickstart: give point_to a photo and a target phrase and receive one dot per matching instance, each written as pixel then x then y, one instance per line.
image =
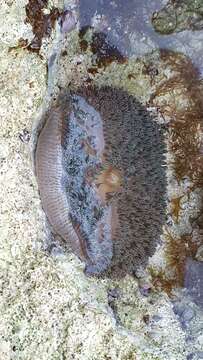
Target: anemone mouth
pixel 111 177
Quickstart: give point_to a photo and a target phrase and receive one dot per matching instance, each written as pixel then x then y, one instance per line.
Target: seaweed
pixel 180 99
pixel 103 53
pixel 42 24
pixel 186 122
pixel 176 207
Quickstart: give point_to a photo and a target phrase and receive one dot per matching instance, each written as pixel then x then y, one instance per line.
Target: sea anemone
pixel 101 175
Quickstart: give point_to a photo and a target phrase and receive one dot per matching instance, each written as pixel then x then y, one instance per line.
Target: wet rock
pixel 178 309
pixel 179 15
pixel 195 356
pixel 67 21
pixel 193 280
pixel 188 314
pixel 74 315
pixel 185 314
pixel 190 339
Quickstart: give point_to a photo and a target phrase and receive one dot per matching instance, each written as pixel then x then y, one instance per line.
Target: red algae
pixel 42 24
pixel 185 123
pixel 180 98
pixel 176 207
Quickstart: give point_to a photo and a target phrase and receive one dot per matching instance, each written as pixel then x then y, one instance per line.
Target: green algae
pixel 178 15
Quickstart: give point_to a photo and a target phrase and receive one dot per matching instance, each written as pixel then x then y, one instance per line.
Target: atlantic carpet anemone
pixel 101 175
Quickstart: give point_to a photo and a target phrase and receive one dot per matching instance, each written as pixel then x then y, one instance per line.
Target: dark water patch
pixel 130 26
pixel 103 53
pixel 119 20
pixel 111 18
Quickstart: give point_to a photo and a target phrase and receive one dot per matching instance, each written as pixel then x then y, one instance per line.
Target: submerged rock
pixel 179 15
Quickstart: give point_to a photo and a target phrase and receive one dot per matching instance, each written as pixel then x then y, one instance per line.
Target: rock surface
pixel 49 309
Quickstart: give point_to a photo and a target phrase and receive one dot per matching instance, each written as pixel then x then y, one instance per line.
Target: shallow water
pixel 128 27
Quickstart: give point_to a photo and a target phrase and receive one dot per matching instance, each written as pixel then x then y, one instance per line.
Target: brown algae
pixel 179 99
pixel 42 24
